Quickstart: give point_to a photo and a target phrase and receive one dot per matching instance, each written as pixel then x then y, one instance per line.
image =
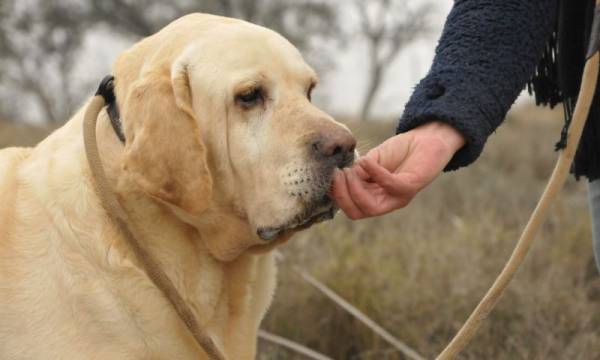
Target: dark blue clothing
pixel 487 52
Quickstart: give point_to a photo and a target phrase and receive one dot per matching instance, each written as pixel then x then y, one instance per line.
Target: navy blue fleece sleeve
pixel 487 52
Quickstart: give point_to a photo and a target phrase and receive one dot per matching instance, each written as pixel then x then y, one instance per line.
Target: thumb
pixel 391 153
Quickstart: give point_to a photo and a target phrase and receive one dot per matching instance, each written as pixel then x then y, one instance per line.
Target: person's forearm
pixel 487 52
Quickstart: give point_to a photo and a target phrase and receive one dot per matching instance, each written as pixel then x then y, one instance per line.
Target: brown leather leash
pixel 119 217
pixel 555 184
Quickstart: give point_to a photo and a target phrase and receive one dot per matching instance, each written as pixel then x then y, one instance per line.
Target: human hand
pixel 391 174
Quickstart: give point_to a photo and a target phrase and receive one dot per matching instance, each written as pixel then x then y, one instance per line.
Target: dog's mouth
pixel 323 210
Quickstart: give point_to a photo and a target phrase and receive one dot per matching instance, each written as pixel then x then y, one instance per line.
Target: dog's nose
pixel 335 145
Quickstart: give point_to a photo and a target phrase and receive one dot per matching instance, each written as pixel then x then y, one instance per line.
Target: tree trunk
pixel 372 88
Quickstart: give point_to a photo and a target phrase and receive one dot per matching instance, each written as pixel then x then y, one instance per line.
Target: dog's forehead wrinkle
pixel 261 50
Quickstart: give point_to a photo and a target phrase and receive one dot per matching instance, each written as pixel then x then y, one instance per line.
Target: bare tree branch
pixel 36 44
pixel 389 28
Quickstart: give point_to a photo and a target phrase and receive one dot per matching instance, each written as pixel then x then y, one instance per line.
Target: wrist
pixel 453 138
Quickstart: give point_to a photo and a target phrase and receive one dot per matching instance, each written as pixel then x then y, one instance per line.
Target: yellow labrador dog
pixel 224 158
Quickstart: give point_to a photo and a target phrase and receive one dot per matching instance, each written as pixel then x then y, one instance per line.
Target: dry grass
pixel 17 134
pixel 420 271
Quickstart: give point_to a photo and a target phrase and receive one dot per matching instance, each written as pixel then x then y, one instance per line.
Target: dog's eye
pixel 250 98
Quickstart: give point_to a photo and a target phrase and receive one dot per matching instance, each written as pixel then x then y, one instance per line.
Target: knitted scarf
pixel 558 78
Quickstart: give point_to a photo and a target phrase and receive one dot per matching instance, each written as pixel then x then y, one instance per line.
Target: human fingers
pixel 362 174
pixel 373 201
pixel 342 196
pixel 402 184
pixel 361 197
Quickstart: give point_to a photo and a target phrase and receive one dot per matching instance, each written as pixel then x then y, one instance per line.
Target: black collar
pixel 106 90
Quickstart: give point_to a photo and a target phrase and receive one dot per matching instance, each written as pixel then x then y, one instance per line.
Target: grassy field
pixel 420 271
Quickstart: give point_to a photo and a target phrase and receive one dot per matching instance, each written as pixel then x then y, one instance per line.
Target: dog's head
pixel 220 127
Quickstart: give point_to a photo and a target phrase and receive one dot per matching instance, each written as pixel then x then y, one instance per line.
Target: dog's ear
pixel 164 153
